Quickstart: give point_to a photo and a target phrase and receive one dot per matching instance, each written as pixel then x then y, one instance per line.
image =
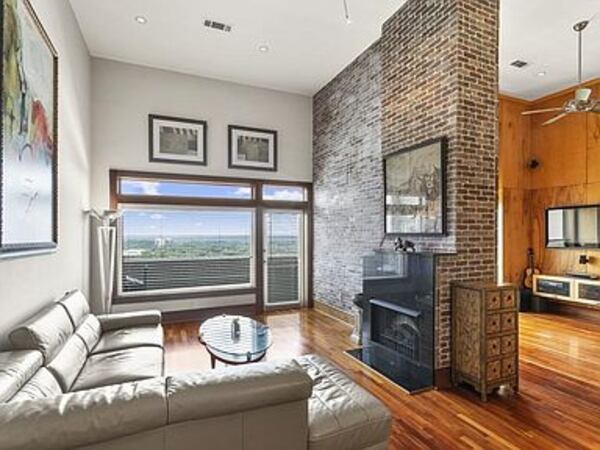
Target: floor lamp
pixel 106 237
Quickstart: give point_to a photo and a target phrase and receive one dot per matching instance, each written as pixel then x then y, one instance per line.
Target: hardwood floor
pixel 558 405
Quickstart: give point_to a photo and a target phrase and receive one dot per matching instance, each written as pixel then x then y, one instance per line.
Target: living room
pixel 327 225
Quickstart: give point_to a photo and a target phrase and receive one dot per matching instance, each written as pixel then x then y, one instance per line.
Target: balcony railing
pixel 145 275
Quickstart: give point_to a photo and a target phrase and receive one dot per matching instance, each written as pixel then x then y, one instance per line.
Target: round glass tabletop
pixel 227 341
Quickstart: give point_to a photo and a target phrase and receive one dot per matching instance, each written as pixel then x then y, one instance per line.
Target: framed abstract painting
pixel 415 190
pixel 28 124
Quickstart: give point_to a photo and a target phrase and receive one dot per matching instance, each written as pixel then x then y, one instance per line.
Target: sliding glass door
pixel 284 258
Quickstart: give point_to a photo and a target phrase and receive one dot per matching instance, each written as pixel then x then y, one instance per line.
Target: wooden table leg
pixel 213 361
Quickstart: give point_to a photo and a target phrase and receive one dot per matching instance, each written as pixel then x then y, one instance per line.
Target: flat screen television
pixel 573 227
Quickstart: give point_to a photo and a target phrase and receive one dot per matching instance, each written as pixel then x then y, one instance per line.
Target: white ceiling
pixel 541 33
pixel 310 41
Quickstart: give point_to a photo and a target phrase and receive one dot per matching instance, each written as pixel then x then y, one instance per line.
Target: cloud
pixel 287 194
pixel 157 216
pixel 141 187
pixel 243 192
pixel 149 187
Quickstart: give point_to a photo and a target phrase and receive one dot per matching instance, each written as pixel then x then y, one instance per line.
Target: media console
pixel 568 289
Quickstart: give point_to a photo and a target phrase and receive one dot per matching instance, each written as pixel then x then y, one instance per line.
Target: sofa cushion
pixel 341 413
pixel 47 332
pixel 16 368
pixel 129 338
pixel 73 420
pixel 117 321
pixel 120 366
pixel 69 362
pixel 89 332
pixel 42 385
pixel 77 307
pixel 201 395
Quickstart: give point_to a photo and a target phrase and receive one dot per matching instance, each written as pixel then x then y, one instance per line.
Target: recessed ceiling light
pixel 543 73
pixel 263 48
pixel 141 20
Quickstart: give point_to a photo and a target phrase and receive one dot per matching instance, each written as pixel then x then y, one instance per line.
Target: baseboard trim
pixel 333 312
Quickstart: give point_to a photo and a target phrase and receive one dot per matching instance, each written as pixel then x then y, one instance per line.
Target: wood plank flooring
pixel 558 406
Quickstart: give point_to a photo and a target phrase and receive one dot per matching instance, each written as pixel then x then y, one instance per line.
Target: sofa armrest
pixel 235 389
pixel 85 417
pixel 117 321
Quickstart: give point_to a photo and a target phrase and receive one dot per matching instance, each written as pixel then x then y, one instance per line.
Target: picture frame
pixel 415 190
pixel 28 134
pixel 177 140
pixel 252 148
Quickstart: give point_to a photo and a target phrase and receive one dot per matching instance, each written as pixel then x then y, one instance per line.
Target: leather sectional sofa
pixel 76 380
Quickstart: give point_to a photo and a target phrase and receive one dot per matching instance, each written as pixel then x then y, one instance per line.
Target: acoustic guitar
pixel 530 271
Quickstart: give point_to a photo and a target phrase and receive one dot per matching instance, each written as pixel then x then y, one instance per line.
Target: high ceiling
pixel 541 33
pixel 309 41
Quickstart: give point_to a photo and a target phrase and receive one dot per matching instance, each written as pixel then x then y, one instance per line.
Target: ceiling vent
pixel 519 64
pixel 219 26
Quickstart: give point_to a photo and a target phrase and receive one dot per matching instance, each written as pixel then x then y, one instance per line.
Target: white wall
pixel 125 94
pixel 27 284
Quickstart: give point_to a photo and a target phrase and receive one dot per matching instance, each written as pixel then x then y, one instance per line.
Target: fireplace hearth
pixel 398 318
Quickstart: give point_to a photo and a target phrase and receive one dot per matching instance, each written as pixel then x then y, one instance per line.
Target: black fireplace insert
pixel 398 303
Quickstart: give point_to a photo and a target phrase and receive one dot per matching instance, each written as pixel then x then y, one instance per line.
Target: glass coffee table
pixel 234 345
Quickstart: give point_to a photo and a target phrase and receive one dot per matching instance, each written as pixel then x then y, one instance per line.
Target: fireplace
pixel 398 305
pixel 396 328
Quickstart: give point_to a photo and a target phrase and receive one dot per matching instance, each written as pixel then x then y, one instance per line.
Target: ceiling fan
pixel 583 101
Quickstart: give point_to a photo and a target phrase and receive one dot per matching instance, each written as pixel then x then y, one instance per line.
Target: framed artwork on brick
pixel 415 190
pixel 28 134
pixel 177 140
pixel 252 148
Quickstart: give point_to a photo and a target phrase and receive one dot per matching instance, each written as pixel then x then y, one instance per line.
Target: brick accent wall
pixel 439 77
pixel 348 185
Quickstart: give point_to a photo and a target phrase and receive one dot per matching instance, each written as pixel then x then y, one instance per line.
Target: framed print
pixel 28 124
pixel 415 191
pixel 252 148
pixel 176 140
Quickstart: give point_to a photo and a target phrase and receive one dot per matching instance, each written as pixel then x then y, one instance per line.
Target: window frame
pixel 255 202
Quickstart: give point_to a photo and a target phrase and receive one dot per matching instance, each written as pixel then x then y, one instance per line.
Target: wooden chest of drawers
pixel 485 350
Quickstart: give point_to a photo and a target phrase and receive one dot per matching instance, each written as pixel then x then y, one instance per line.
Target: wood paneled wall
pixel 513 186
pixel 569 174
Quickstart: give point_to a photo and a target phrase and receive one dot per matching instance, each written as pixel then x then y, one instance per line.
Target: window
pixel 189 189
pixel 166 249
pixel 284 193
pixel 188 236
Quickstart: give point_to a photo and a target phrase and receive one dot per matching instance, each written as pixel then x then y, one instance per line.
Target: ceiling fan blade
pixel 555 119
pixel 541 111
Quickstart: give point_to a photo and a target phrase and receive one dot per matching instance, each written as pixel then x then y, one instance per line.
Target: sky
pixel 197 222
pixel 204 190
